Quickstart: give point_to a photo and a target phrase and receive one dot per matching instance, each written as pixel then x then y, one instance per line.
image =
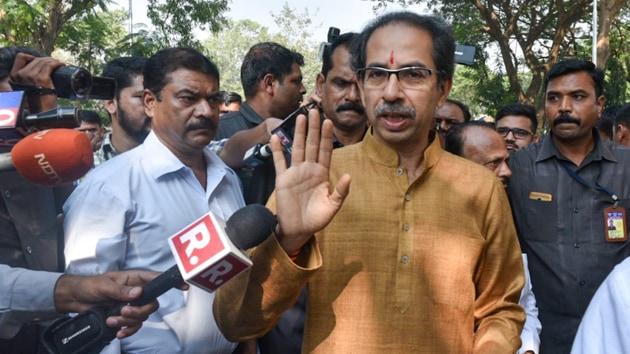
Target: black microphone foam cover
pixel 250 226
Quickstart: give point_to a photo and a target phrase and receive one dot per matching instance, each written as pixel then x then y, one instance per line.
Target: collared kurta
pixel 433 266
pixel 561 227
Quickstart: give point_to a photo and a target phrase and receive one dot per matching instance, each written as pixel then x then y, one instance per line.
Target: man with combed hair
pixel 122 214
pixel 130 124
pixel 517 124
pixel 563 190
pixel 272 83
pixel 385 273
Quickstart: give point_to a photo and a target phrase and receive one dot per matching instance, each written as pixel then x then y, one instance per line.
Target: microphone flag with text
pixel 209 252
pixel 50 157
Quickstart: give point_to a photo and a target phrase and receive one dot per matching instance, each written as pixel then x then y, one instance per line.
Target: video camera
pixel 75 83
pixel 333 33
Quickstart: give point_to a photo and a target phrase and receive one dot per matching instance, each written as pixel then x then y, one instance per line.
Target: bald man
pixel 478 142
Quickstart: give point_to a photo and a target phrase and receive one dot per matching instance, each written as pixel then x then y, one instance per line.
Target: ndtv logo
pixel 47 168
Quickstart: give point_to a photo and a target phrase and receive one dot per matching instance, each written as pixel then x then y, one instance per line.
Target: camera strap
pixel 32 89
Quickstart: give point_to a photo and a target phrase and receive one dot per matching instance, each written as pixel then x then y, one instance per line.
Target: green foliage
pixel 228 47
pixel 525 38
pixel 176 19
pixel 18 21
pixel 91 37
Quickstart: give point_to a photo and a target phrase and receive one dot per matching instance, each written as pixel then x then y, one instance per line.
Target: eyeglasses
pixel 517 132
pixel 411 77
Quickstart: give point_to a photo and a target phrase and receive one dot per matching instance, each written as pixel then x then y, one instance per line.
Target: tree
pixel 175 19
pixel 296 33
pixel 228 47
pixel 37 24
pixel 528 34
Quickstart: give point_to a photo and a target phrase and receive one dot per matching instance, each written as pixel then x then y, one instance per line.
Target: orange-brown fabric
pixel 431 267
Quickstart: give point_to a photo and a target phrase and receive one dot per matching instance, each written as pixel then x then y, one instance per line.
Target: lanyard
pixel 598 187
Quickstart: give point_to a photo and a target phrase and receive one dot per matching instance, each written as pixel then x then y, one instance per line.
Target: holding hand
pixel 76 293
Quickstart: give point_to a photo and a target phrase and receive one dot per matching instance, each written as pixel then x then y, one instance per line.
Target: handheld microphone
pixel 50 157
pixel 208 254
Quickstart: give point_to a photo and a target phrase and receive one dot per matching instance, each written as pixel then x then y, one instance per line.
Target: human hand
pixel 36 71
pixel 269 124
pixel 304 202
pixel 75 293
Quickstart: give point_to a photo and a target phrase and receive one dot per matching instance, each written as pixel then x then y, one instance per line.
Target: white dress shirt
pixel 121 216
pixel 605 327
pixel 530 336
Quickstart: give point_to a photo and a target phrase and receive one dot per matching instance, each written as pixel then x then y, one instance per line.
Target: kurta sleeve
pixel 499 281
pixel 251 304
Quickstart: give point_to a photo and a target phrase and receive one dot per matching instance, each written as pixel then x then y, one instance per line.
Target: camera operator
pixel 31 286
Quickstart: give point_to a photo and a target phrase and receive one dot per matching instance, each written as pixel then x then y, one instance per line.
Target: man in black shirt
pixel 561 190
pixel 272 83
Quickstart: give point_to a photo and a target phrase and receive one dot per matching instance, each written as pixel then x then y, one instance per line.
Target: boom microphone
pixel 50 157
pixel 208 254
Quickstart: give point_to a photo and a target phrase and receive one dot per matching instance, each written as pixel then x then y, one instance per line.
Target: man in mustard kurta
pixel 421 256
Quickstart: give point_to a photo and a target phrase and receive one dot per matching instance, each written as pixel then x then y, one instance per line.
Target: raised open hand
pixel 305 202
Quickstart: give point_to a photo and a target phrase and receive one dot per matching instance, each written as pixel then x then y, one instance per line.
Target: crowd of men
pixel 403 225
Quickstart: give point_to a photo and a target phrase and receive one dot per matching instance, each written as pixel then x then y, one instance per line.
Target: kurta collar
pixel 387 156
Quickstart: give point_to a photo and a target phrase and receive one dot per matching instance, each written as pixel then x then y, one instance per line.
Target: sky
pixel 347 15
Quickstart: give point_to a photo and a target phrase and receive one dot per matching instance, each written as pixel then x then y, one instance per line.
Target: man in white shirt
pixel 121 216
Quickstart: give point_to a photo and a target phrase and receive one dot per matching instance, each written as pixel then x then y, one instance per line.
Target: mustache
pixel 351 106
pixel 202 124
pixel 395 108
pixel 566 118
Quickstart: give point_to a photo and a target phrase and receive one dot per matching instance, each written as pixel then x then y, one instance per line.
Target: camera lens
pixel 81 82
pixel 72 82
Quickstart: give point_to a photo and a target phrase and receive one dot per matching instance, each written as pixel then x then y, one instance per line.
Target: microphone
pixel 208 254
pixel 13 114
pixel 50 157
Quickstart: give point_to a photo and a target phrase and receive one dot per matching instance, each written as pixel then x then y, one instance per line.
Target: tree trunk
pixel 608 10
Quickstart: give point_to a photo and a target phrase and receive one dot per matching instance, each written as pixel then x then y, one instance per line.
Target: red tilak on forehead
pixel 391 58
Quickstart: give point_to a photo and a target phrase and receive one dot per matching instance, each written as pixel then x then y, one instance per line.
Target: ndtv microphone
pixel 212 254
pixel 50 157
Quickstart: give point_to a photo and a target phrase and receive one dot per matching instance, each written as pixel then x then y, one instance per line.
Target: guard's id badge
pixel 615 224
